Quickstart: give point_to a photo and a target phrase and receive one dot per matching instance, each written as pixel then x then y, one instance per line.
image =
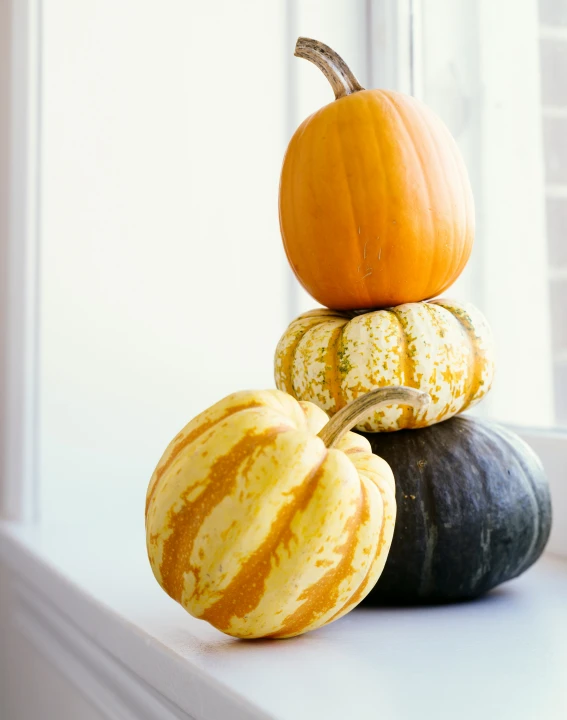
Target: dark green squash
pixel 474 510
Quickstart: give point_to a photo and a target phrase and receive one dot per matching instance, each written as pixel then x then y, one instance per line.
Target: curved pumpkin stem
pixel 333 67
pixel 347 418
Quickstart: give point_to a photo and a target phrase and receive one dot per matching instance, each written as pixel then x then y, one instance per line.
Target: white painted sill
pixel 88 601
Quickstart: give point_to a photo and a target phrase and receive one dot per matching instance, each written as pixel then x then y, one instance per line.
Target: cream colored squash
pixel 263 528
pixel 442 347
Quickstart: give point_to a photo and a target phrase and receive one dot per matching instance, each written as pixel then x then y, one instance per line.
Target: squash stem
pixel 331 65
pixel 347 418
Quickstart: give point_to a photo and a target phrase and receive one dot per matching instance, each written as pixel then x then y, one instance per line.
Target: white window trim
pixel 18 478
pixel 121 669
pixel 135 654
pixel 551 446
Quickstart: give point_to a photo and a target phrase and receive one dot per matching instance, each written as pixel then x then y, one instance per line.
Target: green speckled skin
pixel 442 347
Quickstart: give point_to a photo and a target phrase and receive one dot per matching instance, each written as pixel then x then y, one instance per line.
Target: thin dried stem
pixel 331 65
pixel 348 417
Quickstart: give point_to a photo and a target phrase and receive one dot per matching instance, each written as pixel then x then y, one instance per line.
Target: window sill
pixel 89 602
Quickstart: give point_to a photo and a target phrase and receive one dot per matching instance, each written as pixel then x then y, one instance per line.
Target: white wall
pixel 163 281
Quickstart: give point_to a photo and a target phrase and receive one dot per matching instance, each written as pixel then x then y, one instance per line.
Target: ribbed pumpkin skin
pixel 375 203
pixel 474 510
pixel 442 347
pixel 254 525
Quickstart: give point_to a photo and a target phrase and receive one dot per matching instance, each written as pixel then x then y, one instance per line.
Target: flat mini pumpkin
pixel 256 523
pixel 442 347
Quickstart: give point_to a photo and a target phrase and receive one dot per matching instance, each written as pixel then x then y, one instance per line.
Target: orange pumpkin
pixel 375 203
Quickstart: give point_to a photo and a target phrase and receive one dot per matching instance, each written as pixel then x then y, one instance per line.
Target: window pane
pixel 500 87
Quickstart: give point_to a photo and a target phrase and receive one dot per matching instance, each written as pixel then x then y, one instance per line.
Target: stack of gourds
pixel 267 518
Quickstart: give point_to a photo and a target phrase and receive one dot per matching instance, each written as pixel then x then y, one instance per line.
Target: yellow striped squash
pixel 442 347
pixel 255 525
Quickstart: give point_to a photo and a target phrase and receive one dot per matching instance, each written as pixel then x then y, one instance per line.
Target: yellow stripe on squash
pixel 254 525
pixel 442 347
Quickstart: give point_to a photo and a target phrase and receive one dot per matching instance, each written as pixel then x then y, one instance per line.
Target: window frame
pixel 392 63
pixel 20 334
